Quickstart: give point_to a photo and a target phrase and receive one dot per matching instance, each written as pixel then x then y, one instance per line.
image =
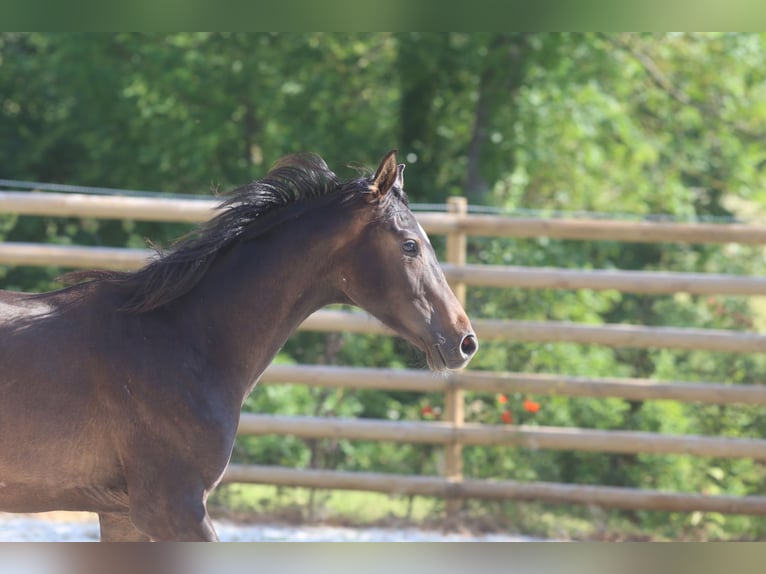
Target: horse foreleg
pixel 117 527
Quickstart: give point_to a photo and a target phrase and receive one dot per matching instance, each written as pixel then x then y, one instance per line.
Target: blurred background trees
pixel 627 125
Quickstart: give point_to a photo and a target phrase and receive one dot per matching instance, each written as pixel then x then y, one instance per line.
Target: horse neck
pixel 261 290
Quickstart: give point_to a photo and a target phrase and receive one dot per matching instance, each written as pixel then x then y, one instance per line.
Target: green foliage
pixel 632 125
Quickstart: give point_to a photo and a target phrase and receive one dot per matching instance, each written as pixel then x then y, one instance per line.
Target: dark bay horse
pixel 121 393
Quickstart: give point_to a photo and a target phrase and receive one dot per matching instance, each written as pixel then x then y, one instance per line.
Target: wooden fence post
pixel 454 397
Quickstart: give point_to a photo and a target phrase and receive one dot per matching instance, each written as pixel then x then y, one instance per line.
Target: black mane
pixel 294 185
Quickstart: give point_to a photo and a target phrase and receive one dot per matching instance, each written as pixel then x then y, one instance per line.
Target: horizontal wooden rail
pixel 533 437
pixel 611 335
pixel 618 335
pixel 492 382
pixel 647 282
pixel 73 256
pixel 195 210
pixel 603 496
pixel 594 229
pixel 107 206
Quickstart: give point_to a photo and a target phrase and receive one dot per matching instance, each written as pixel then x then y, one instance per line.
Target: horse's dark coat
pixel 121 394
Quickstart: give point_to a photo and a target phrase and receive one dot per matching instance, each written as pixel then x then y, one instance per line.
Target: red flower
pixel 426 411
pixel 531 406
pixel 507 417
pixel 502 399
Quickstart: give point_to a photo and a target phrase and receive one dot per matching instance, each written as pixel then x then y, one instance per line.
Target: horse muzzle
pixel 441 356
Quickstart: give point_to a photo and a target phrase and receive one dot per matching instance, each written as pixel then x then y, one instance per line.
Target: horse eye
pixel 410 247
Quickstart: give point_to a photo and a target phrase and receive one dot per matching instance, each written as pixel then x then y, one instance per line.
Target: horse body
pixel 49 447
pixel 127 405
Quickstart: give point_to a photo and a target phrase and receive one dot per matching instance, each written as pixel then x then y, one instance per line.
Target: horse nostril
pixel 469 345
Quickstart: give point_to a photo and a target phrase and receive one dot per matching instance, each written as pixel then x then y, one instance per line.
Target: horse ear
pixel 400 176
pixel 387 175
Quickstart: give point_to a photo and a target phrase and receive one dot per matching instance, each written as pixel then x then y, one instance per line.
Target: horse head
pixel 393 273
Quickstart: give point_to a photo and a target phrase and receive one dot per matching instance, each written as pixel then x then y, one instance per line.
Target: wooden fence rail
pixel 532 437
pixel 496 382
pixel 610 335
pixel 453 433
pixel 72 256
pixel 196 210
pixel 645 282
pixel 603 496
pixel 107 206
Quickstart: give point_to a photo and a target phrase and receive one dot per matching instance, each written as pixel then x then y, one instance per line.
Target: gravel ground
pixel 60 527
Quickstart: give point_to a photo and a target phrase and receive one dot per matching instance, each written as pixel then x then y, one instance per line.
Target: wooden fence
pixel 453 433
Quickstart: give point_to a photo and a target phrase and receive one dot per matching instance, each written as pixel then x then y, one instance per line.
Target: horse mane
pixel 296 184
